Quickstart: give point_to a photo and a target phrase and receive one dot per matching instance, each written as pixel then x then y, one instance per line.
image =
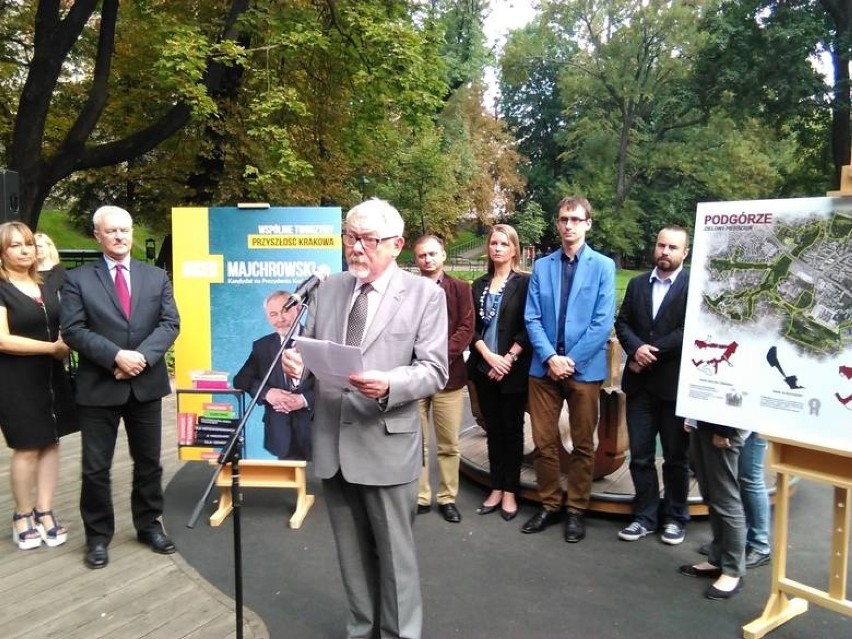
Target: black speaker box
pixel 10 200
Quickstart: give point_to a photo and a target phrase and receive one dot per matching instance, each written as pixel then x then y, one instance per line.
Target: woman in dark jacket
pixel 499 365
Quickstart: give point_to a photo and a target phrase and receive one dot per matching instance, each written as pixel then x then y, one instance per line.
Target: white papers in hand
pixel 331 363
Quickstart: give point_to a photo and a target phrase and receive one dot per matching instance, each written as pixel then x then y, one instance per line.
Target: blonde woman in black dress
pixel 35 396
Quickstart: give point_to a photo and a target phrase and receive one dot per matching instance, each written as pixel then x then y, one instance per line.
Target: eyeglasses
pixel 574 221
pixel 369 243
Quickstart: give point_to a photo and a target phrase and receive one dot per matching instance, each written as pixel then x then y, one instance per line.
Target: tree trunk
pixel 54 38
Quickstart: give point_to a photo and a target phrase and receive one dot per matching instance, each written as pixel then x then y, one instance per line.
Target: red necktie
pixel 121 289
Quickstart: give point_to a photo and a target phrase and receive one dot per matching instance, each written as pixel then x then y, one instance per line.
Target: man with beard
pixel 650 329
pixel 367 438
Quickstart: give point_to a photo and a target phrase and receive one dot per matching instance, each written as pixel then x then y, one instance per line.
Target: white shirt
pixel 659 288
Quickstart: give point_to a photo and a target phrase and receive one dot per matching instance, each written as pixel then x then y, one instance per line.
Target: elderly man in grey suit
pixel 367 440
pixel 120 315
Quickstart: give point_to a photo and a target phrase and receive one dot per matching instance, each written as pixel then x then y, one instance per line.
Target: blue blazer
pixel 588 321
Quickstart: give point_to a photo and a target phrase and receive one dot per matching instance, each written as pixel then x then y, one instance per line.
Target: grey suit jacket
pixel 93 324
pixel 408 339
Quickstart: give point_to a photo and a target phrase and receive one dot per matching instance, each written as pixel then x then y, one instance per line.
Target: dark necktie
pixel 567 282
pixel 358 317
pixel 121 289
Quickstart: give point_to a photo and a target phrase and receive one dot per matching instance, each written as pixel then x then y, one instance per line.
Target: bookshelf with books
pixel 207 418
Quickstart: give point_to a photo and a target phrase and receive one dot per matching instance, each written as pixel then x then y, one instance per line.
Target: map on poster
pixel 768 336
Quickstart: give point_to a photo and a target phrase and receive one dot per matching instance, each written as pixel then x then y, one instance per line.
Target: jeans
pixel 647 417
pixel 754 495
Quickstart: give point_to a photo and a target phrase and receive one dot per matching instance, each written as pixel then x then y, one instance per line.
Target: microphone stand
pixel 231 455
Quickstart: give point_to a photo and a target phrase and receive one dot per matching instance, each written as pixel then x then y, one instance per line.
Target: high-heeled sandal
pixel 55 536
pixel 28 538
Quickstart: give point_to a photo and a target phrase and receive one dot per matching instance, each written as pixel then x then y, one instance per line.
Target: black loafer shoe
pixel 422 509
pixel 691 571
pixel 715 594
pixel 541 520
pixel 487 510
pixel 157 540
pixel 508 515
pixel 96 556
pixel 575 528
pixel 450 512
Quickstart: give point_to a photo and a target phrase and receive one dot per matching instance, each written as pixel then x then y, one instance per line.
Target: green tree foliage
pixel 153 104
pixel 757 64
pixel 532 105
pixel 622 122
pixel 530 223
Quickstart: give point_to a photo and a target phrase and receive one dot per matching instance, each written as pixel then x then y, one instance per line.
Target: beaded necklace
pixel 495 299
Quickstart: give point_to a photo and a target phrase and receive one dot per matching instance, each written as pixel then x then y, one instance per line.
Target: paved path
pixel 48 592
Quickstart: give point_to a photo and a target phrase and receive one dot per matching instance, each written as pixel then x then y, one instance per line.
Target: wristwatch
pixel 514 356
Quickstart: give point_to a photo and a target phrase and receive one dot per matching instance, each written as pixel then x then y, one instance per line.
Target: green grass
pixel 621 278
pixel 56 224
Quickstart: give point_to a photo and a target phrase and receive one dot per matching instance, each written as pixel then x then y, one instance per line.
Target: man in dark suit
pixel 120 315
pixel 446 405
pixel 287 404
pixel 569 314
pixel 650 329
pixel 367 438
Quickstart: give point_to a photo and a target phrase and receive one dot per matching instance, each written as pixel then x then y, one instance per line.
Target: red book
pixel 209 384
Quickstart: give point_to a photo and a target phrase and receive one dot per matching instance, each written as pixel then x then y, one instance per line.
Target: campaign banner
pixel 768 337
pixel 226 261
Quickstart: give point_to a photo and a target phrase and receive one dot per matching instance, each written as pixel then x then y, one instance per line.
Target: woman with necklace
pixel 35 396
pixel 499 366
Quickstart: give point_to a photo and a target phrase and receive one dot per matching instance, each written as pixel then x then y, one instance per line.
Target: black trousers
pixel 99 430
pixel 504 422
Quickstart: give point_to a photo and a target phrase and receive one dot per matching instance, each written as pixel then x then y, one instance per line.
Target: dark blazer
pixel 635 326
pixel 510 329
pixel 94 325
pixel 280 429
pixel 460 327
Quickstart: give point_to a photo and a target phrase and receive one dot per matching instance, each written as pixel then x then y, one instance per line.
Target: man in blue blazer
pixel 288 405
pixel 650 329
pixel 569 315
pixel 120 316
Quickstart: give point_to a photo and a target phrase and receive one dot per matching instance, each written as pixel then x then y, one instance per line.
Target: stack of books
pixel 214 427
pixel 209 380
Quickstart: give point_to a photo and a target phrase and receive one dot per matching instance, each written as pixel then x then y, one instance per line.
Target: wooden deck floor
pixel 48 592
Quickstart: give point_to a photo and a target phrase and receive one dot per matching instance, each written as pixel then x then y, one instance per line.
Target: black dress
pixel 36 405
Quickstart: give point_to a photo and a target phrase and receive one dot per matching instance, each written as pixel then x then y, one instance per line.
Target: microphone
pixel 307 287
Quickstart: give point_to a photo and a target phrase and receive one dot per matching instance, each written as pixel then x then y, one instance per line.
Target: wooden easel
pixel 828 466
pixel 265 474
pixel 833 467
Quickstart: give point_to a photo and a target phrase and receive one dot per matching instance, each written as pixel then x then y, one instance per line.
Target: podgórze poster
pixel 226 261
pixel 768 336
